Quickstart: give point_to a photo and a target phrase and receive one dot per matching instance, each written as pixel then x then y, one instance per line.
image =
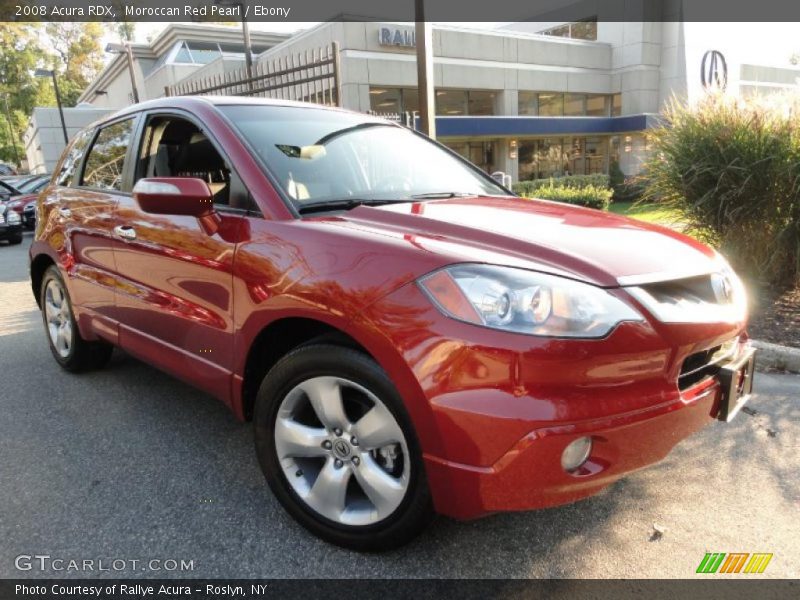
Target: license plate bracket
pixel 736 381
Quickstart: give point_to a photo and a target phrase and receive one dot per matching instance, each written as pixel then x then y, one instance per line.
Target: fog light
pixel 576 453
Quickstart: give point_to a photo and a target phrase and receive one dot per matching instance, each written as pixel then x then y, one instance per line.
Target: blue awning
pixel 521 126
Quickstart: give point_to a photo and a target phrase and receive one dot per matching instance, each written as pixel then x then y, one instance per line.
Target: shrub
pixel 615 175
pixel 626 189
pixel 527 188
pixel 589 195
pixel 733 168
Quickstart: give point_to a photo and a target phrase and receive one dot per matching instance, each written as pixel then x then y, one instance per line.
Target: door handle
pixel 65 212
pixel 126 232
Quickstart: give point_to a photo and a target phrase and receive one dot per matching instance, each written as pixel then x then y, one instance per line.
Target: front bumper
pixel 494 411
pixel 530 476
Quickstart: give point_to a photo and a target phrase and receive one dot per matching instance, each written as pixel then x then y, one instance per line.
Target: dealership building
pixel 529 99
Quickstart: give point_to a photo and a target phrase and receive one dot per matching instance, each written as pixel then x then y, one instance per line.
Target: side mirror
pixel 174 196
pixel 180 196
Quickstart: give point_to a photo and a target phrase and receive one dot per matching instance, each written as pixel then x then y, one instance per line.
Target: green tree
pixel 20 53
pixel 126 30
pixel 77 45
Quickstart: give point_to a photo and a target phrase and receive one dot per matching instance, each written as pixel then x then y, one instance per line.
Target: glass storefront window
pixel 480 103
pixel 613 149
pixel 573 105
pixel 597 105
pixel 182 56
pixel 410 100
pixel 596 155
pixel 551 105
pixel 385 100
pixel 526 154
pixel 204 52
pixel 481 154
pixel 576 149
pixel 556 157
pixel 616 105
pixel 526 102
pixel 451 102
pixel 549 158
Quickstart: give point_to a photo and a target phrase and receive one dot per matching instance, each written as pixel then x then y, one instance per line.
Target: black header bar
pixel 560 11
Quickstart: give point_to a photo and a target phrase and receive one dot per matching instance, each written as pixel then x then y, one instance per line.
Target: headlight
pixel 523 301
pixel 13 218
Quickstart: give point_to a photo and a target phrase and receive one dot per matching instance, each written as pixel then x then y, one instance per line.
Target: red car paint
pixel 18 203
pixel 493 410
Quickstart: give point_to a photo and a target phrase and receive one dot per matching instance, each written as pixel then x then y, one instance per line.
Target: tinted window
pixel 73 158
pixel 177 148
pixel 103 169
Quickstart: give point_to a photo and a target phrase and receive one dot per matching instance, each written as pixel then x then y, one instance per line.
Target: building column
pixel 507 105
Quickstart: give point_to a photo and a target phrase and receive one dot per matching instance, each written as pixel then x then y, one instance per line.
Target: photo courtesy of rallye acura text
pixel 408 337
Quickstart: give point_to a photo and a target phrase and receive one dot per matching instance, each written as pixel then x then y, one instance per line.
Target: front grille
pixel 706 363
pixel 694 290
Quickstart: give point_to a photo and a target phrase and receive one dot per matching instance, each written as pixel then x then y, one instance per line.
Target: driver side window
pixel 176 147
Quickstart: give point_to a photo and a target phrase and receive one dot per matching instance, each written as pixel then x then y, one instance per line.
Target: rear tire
pixel 15 239
pixel 70 350
pixel 373 494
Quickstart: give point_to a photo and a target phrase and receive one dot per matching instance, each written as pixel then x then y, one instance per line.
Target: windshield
pixel 320 155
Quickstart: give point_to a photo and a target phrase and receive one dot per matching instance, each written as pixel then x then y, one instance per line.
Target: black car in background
pixel 10 225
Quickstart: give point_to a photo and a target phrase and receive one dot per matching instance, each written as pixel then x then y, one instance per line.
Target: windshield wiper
pixel 343 204
pixel 437 195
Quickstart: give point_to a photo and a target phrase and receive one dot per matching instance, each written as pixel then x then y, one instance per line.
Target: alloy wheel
pixel 58 318
pixel 342 451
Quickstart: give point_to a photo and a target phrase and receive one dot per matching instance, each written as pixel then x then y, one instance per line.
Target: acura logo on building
pixel 714 70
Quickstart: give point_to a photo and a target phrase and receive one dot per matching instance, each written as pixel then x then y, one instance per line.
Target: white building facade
pixel 530 99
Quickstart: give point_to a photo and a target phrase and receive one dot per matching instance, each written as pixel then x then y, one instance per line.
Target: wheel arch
pixel 278 338
pixel 39 264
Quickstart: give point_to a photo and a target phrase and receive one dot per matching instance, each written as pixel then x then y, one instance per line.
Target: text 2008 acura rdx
pixel 406 335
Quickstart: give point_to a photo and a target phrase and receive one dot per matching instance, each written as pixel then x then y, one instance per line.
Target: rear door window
pixel 73 159
pixel 106 160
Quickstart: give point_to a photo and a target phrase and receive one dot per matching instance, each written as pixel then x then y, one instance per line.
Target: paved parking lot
pixel 127 463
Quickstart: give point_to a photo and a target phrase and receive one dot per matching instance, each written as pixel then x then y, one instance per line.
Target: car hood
pixel 590 245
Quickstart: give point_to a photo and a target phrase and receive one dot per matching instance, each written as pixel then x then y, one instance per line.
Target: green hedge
pixel 527 188
pixel 732 166
pixel 589 195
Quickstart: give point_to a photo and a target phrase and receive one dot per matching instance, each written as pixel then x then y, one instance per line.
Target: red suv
pixel 407 336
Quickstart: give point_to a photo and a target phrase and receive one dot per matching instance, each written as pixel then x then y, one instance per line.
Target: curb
pixel 777 357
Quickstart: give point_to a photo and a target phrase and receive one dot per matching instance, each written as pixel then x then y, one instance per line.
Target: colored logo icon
pixel 734 562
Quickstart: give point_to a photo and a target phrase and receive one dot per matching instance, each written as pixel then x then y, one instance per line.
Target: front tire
pixel 69 349
pixel 15 239
pixel 339 451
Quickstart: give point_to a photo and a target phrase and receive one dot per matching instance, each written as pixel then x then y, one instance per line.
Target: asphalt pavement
pixel 128 464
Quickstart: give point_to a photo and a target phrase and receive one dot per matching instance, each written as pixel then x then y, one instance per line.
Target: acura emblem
pixel 723 289
pixel 341 448
pixel 714 70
